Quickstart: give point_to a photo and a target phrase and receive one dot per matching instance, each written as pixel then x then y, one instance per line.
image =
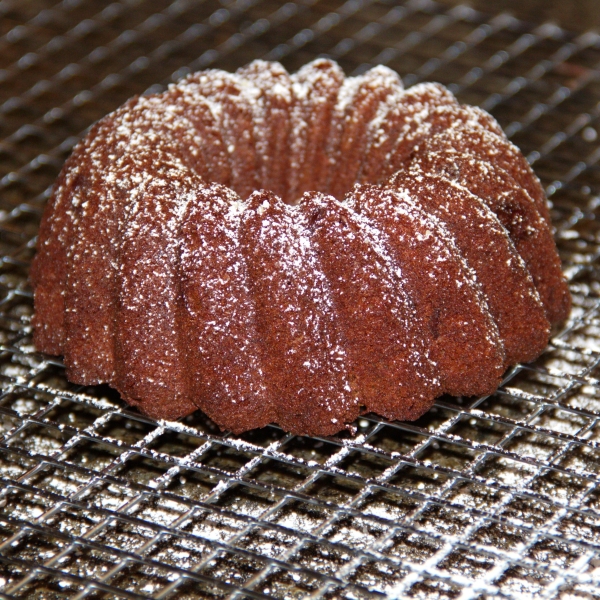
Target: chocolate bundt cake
pixel 297 249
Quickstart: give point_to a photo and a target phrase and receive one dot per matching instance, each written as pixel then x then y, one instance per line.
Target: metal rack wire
pixel 481 498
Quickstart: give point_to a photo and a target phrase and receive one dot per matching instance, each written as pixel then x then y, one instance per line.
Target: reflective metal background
pixel 481 498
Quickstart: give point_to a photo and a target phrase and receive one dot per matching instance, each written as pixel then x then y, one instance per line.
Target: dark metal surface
pixel 481 498
pixel 576 15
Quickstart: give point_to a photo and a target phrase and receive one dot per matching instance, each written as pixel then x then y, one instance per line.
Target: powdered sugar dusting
pixel 359 100
pixel 182 286
pixel 304 349
pixel 315 88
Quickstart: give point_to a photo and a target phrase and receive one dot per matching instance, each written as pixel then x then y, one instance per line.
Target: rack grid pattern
pixel 489 497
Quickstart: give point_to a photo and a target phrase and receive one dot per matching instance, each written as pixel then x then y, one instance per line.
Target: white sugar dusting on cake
pixel 202 244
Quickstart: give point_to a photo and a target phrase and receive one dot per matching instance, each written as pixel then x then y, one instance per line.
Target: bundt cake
pixel 297 249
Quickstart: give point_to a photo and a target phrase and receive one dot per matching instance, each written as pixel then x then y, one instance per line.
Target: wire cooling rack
pixel 480 498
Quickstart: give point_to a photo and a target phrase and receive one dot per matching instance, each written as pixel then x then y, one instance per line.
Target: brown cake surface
pixel 297 249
